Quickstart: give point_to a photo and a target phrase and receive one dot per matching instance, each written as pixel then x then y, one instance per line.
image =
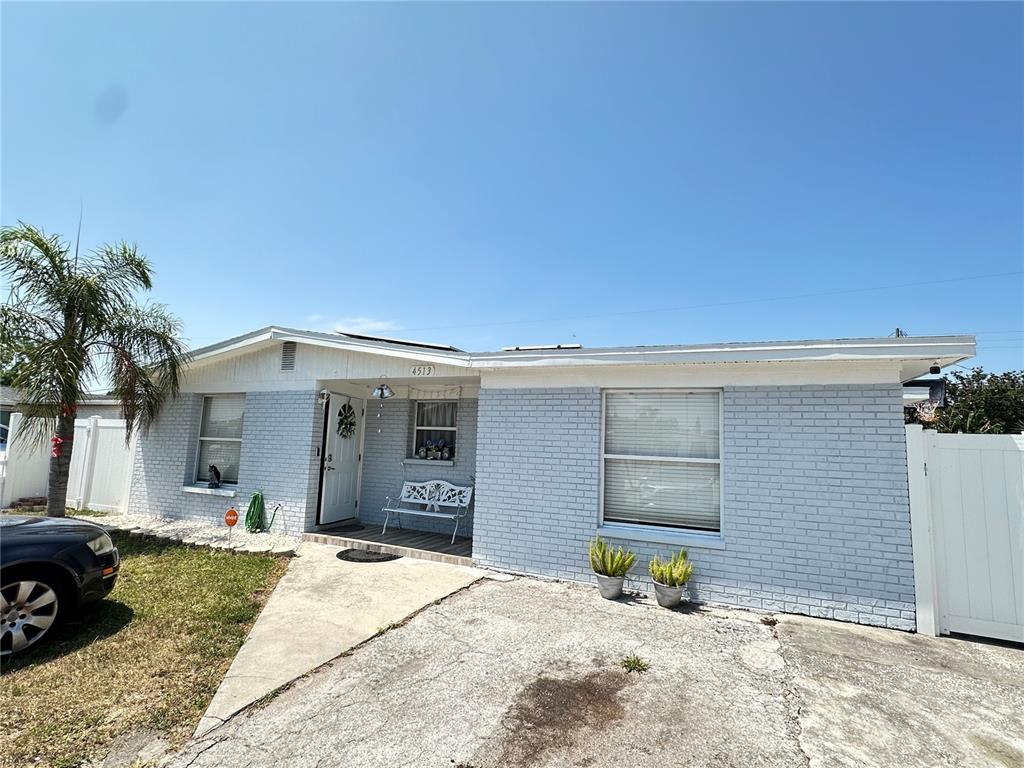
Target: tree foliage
pixel 10 360
pixel 980 402
pixel 70 320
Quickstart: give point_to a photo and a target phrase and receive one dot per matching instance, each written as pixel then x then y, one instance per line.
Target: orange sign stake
pixel 231 518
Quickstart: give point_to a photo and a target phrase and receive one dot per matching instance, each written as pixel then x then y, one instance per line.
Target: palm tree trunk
pixel 60 468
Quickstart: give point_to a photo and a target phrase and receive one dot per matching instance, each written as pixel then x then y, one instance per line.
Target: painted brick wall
pixel 384 451
pixel 280 432
pixel 537 479
pixel 816 513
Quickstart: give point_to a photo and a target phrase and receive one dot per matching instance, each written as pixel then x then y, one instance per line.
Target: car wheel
pixel 29 608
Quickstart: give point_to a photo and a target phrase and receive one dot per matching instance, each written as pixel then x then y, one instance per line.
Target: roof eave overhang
pixel 273 334
pixel 940 350
pixel 943 350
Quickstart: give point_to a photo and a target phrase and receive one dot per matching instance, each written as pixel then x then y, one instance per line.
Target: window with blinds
pixel 662 462
pixel 220 437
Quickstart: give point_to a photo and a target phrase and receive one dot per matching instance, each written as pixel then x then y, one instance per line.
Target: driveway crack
pixel 206 747
pixel 791 698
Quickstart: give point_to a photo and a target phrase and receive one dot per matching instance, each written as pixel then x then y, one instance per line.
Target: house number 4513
pixel 423 370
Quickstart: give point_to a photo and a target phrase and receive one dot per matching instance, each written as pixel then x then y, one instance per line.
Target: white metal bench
pixel 434 498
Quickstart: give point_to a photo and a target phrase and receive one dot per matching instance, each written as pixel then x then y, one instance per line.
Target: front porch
pixel 422 545
pixel 425 430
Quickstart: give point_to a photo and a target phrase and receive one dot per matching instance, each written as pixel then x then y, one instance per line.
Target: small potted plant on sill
pixel 670 577
pixel 610 567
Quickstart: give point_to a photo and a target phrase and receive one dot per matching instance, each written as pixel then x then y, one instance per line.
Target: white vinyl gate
pixel 101 466
pixel 967 520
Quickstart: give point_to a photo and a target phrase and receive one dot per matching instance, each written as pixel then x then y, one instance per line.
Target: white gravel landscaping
pixel 199 532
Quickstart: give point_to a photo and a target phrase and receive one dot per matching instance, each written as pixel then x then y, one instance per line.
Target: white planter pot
pixel 610 587
pixel 668 597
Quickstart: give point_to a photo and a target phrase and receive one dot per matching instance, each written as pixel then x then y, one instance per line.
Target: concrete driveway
pixel 527 673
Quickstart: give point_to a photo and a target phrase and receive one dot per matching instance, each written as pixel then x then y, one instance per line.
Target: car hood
pixel 16 526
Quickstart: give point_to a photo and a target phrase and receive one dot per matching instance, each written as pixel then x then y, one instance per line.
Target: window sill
pixel 203 491
pixel 661 536
pixel 431 462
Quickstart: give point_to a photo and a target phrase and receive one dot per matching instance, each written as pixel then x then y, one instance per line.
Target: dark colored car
pixel 48 568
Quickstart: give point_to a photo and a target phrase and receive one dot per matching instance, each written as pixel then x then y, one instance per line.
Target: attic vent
pixel 288 356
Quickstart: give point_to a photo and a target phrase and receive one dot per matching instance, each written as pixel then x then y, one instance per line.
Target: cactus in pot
pixel 670 577
pixel 610 566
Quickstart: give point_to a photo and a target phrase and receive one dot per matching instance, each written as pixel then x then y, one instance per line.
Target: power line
pixel 733 303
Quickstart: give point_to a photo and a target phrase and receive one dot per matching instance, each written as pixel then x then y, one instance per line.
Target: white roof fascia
pixel 946 349
pixel 273 333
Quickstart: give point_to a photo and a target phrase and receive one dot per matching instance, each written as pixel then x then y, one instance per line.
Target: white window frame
pixel 199 441
pixel 416 427
pixel 663 533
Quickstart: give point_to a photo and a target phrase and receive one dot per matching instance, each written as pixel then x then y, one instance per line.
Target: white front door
pixel 341 460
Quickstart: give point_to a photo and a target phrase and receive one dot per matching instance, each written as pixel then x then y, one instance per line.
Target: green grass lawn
pixel 150 656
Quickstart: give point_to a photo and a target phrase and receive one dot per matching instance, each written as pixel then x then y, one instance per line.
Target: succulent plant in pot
pixel 610 566
pixel 670 577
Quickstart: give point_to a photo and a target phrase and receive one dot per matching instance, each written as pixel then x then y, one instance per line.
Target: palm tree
pixel 73 320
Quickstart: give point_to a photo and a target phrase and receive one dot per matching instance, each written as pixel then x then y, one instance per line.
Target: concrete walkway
pixel 321 608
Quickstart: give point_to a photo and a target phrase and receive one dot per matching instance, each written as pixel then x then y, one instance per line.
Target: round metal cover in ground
pixel 362 556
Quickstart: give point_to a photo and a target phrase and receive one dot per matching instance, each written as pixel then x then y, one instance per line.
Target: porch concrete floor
pixel 321 608
pixel 405 542
pixel 527 673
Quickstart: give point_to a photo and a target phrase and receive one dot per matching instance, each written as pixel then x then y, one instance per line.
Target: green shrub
pixel 674 572
pixel 606 562
pixel 979 402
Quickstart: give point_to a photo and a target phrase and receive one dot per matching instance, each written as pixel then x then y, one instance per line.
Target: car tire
pixel 32 604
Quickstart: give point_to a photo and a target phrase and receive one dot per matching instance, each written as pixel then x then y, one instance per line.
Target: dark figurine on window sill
pixel 214 477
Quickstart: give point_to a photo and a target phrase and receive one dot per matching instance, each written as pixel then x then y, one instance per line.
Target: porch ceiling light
pixel 382 392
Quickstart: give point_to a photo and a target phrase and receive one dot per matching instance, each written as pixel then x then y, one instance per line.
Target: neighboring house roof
pixel 943 350
pixel 91 399
pixel 10 398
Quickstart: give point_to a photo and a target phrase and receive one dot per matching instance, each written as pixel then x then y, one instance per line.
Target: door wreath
pixel 346 421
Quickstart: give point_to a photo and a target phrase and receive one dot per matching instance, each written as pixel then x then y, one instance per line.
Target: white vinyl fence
pixel 967 523
pixel 23 467
pixel 100 473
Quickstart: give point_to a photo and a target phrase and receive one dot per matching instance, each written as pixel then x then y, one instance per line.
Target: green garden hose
pixel 254 515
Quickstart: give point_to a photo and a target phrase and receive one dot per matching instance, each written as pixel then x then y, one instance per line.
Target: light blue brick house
pixel 780 466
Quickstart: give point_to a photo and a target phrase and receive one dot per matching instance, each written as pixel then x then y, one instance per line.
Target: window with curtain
pixel 662 465
pixel 220 437
pixel 435 428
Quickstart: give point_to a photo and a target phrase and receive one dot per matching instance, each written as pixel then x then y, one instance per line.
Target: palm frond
pixel 35 263
pixel 145 357
pixel 123 266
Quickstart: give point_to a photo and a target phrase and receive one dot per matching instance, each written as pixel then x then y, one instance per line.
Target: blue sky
pixel 489 174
